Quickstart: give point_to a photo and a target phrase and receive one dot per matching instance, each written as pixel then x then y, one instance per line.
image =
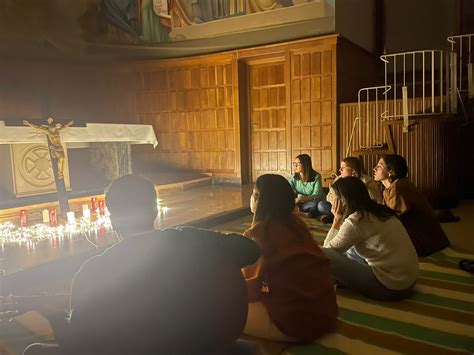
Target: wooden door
pixel 269 128
pixel 313 106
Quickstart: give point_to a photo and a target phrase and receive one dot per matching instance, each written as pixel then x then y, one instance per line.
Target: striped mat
pixel 437 319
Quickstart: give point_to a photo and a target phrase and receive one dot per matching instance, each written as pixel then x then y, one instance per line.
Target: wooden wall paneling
pixel 313 105
pixel 268 118
pixel 194 117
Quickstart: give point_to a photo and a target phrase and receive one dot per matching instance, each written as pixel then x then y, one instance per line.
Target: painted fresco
pixel 187 12
pixel 73 26
pixel 153 20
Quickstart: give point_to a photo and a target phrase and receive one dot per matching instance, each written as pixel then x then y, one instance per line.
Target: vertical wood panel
pixel 267 108
pixel 192 112
pixel 312 102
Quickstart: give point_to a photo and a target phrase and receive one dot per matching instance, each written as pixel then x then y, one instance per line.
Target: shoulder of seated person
pixel 353 218
pixel 402 185
pixel 366 179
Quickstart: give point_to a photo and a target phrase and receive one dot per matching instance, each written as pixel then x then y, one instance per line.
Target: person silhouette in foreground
pixel 173 291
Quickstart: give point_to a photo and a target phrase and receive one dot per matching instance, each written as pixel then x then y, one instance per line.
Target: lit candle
pixel 45 216
pixel 52 217
pixel 94 204
pixel 86 212
pixel 23 218
pixel 101 207
pixel 71 218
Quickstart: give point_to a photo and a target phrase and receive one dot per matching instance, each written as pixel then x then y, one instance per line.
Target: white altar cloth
pixel 78 137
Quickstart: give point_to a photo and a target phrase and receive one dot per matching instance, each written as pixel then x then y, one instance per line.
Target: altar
pixel 25 166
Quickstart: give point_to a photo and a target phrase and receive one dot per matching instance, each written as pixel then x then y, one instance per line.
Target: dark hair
pixel 355 164
pixel 397 165
pixel 132 195
pixel 275 198
pixel 309 172
pixel 357 199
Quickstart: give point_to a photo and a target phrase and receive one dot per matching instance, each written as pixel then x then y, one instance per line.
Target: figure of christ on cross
pixel 54 141
pixel 57 155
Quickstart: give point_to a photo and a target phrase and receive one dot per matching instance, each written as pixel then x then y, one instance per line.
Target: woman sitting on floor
pixel 352 166
pixel 308 189
pixel 411 206
pixel 381 262
pixel 291 294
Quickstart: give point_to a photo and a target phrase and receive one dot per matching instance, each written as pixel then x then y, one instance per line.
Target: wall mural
pixel 153 20
pixel 70 27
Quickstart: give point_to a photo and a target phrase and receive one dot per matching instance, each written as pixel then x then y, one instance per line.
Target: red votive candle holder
pixel 93 204
pixel 23 218
pixel 53 222
pixel 102 207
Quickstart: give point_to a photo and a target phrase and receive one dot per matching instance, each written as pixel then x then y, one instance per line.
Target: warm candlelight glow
pixel 45 216
pixel 71 218
pixel 23 218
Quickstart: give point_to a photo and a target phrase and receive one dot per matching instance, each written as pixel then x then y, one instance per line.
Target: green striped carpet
pixel 437 319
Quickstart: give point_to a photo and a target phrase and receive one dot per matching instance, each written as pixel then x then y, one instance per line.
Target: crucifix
pixel 57 156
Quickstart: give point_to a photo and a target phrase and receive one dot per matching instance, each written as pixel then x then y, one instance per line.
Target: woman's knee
pixel 310 206
pixel 324 207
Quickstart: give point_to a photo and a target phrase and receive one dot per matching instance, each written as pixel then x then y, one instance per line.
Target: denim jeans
pixel 316 207
pixel 360 277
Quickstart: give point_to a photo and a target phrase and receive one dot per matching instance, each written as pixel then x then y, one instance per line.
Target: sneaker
pixel 326 219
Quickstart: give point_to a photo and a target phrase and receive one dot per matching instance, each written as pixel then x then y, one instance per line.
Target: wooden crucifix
pixel 57 156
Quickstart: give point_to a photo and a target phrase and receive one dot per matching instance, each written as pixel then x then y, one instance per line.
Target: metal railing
pixel 368 119
pixel 461 44
pixel 405 69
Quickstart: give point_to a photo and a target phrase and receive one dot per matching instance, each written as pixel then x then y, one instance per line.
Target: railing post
pixel 454 87
pixel 448 81
pixel 441 98
pixel 432 82
pixel 470 81
pixel 405 108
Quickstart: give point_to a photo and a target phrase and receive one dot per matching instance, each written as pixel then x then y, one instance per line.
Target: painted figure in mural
pixel 122 13
pixel 147 19
pixel 208 10
pixel 155 20
pixel 266 5
pixel 54 141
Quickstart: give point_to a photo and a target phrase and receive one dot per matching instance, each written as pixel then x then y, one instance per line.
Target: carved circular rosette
pixel 36 167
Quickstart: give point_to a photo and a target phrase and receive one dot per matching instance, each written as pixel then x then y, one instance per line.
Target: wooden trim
pixel 413 121
pixel 265 50
pixel 288 74
pixel 264 59
pixel 237 118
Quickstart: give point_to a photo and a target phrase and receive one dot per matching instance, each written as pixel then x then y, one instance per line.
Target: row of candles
pixel 50 216
pixel 94 220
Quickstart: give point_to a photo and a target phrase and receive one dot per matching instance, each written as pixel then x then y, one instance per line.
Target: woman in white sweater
pixel 380 262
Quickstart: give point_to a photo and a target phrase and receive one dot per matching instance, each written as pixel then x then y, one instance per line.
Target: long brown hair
pixel 357 199
pixel 355 164
pixel 275 198
pixel 306 163
pixel 397 165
